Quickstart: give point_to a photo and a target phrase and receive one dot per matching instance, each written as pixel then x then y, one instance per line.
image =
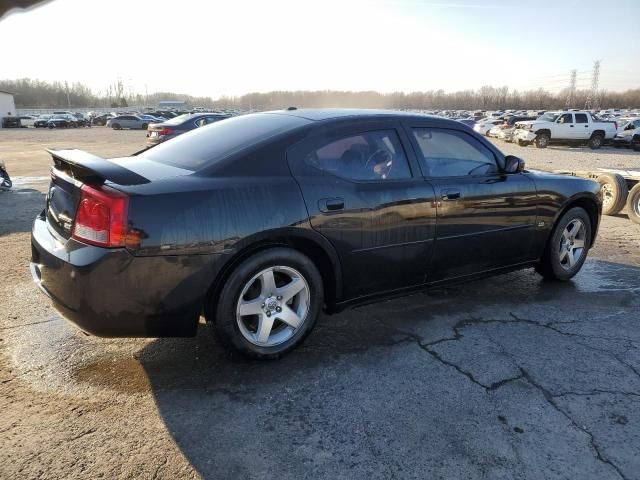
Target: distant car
pixel 151 118
pixel 505 130
pixel 161 132
pixel 28 120
pixel 81 120
pixel 11 122
pixel 101 119
pixel 128 121
pixel 485 125
pixel 41 121
pixel 62 121
pixel 627 128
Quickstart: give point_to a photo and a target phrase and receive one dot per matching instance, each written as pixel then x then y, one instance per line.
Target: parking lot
pixel 509 377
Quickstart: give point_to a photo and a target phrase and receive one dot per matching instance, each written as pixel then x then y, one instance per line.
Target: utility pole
pixel 592 99
pixel 571 94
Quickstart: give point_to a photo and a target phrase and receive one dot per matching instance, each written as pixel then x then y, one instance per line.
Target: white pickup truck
pixel 565 127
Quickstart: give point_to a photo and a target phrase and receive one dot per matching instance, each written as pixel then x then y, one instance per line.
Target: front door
pixel 565 127
pixel 485 218
pixel 364 193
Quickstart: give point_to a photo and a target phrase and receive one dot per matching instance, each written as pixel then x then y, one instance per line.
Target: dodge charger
pixel 259 222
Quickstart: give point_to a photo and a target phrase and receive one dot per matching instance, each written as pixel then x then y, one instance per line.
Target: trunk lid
pixel 72 169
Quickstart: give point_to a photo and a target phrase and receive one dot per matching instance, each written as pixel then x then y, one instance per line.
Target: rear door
pixel 582 130
pixel 364 193
pixel 485 218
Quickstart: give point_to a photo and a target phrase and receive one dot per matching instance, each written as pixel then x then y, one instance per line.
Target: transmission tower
pixel 592 99
pixel 571 94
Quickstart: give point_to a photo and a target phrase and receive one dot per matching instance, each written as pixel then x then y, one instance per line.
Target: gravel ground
pixel 509 377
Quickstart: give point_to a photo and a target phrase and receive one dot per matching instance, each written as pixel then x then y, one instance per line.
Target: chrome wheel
pixel 572 244
pixel 273 306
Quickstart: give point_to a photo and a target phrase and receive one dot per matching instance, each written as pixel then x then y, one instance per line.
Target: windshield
pixel 209 144
pixel 548 117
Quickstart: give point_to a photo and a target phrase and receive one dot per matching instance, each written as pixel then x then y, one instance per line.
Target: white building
pixel 7 105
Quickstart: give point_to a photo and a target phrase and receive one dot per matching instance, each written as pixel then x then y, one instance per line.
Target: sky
pixel 231 47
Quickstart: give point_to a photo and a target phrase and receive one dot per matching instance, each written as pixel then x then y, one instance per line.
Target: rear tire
pixel 563 257
pixel 116 126
pixel 542 140
pixel 614 192
pixel 249 286
pixel 596 141
pixel 144 126
pixel 633 204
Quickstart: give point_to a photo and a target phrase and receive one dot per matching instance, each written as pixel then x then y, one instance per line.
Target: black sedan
pixel 261 221
pixel 161 132
pixel 62 121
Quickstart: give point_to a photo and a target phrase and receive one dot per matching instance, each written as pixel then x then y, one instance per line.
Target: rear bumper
pixel 111 293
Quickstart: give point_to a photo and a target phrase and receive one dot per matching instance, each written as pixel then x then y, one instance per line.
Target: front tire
pixel 568 246
pixel 542 140
pixel 269 303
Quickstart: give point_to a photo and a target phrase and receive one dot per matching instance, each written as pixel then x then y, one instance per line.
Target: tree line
pixel 41 94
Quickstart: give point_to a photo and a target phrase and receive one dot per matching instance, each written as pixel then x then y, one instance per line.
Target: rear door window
pixel 581 118
pixel 376 155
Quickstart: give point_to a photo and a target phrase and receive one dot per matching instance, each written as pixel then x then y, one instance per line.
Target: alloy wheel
pixel 272 306
pixel 572 244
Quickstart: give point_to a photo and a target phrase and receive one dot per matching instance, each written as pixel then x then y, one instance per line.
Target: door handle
pixel 450 194
pixel 571 126
pixel 330 204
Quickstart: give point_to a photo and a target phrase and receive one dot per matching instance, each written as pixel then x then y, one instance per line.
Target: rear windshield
pixel 206 145
pixel 178 120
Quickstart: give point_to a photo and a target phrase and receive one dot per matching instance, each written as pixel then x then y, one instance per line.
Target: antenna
pixel 592 99
pixel 571 94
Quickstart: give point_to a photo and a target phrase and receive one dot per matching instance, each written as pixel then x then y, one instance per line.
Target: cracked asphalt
pixel 506 378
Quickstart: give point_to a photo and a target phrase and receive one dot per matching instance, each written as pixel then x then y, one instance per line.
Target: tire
pixel 633 204
pixel 635 144
pixel 239 332
pixel 596 141
pixel 614 192
pixel 116 126
pixel 522 143
pixel 555 263
pixel 542 140
pixel 144 126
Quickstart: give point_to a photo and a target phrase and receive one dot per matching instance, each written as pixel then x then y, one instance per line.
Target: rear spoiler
pixel 85 166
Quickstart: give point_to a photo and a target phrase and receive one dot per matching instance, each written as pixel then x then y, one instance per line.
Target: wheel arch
pixel 544 130
pixel 587 202
pixel 598 132
pixel 308 242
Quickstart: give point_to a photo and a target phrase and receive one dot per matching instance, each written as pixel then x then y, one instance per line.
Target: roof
pixel 8 93
pixel 317 114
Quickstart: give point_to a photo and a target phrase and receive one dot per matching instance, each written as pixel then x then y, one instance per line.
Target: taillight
pixel 101 217
pixel 165 131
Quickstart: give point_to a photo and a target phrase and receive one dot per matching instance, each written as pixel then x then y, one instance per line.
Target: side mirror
pixel 513 164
